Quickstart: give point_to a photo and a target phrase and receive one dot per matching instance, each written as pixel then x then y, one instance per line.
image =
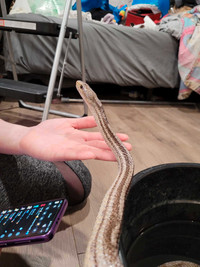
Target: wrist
pixel 10 137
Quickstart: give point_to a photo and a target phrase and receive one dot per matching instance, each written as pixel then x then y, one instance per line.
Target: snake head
pixel 88 95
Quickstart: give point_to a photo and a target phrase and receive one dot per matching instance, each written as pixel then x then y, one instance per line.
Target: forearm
pixel 10 137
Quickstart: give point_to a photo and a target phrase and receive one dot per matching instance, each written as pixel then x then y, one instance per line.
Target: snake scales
pixel 103 247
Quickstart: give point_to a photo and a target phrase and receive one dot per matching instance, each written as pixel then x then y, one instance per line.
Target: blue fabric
pixel 116 12
pixel 87 5
pixel 163 5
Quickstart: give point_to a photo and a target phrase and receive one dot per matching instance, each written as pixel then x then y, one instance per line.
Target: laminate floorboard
pixel 158 134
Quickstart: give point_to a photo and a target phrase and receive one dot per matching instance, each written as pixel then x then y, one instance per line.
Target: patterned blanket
pixel 189 53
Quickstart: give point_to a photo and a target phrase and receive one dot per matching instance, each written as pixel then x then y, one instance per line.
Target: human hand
pixel 62 139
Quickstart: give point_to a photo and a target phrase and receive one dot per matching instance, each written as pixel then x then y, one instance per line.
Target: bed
pixel 114 54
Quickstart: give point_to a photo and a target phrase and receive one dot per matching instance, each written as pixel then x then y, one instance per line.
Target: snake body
pixel 103 246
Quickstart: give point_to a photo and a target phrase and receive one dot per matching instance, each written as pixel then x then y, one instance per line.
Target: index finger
pixel 83 123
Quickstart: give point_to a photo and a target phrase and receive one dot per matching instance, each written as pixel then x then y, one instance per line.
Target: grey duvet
pixel 113 54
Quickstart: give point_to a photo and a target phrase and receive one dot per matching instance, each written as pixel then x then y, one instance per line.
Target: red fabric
pixel 133 18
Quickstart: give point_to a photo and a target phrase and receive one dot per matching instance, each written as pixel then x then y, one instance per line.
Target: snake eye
pixel 81 86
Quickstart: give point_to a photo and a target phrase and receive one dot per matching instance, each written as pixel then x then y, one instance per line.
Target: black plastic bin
pixel 162 216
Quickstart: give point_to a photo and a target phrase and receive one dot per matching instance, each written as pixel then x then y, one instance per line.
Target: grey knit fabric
pixel 24 180
pixel 83 173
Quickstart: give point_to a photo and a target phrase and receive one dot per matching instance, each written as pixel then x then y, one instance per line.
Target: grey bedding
pixel 113 54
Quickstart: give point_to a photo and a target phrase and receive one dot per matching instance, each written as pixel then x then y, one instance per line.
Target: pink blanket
pixel 189 54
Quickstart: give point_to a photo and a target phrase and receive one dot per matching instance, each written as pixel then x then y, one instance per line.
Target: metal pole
pixel 55 112
pixel 133 102
pixel 56 60
pixel 64 65
pixel 81 48
pixel 80 31
pixel 10 49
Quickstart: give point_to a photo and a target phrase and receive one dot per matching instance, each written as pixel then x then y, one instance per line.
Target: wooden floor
pixel 158 134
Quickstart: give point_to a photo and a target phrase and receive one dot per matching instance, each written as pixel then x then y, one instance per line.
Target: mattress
pixel 114 54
